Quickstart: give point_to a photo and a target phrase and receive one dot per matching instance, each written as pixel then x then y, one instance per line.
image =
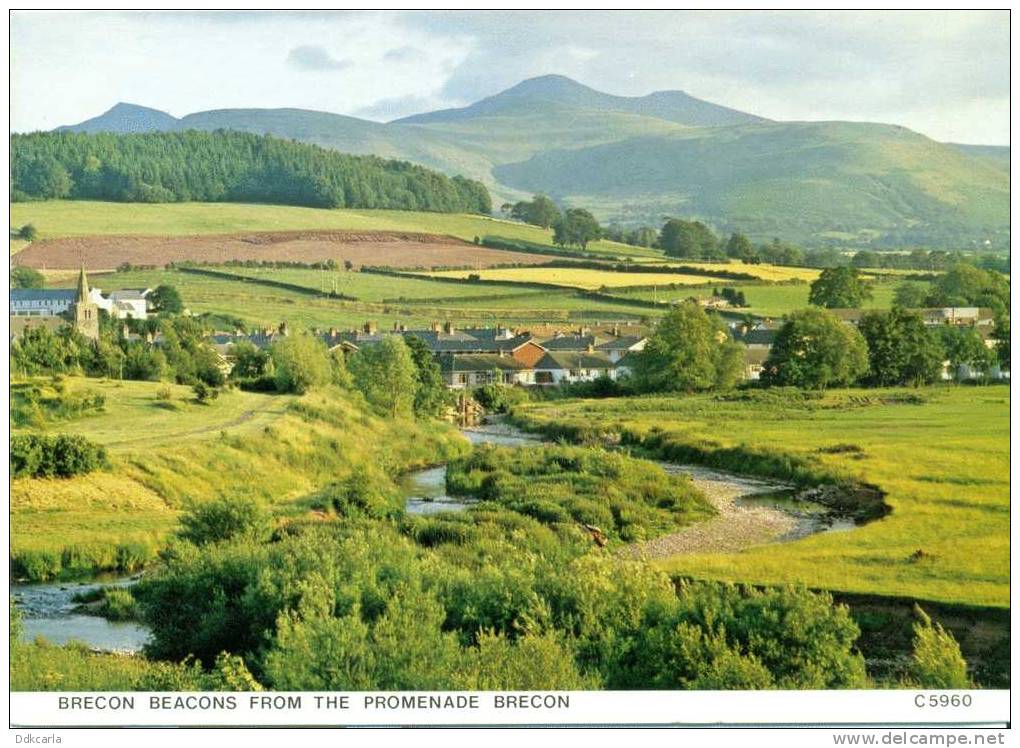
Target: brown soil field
pixel 385 249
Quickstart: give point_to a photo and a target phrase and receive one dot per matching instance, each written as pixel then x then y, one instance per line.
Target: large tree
pixel 539 211
pixel 911 295
pixel 691 240
pixel 815 349
pixel 966 285
pixel 839 288
pixel 965 349
pixel 901 349
pixel 165 299
pixel 25 277
pixel 576 227
pixel 739 247
pixel 689 351
pixel 386 374
pixel 301 363
pixel 431 397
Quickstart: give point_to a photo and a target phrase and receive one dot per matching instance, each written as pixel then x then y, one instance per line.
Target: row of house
pixel 477 356
pixel 758 337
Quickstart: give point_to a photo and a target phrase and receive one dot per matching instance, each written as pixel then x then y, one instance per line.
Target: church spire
pixel 83 286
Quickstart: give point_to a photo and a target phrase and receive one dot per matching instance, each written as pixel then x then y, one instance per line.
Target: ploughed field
pixel 382 248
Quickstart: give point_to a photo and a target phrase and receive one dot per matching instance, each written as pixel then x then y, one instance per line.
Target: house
pixel 41 302
pixel 475 370
pixel 127 303
pixel 754 363
pixel 568 367
pixel 620 347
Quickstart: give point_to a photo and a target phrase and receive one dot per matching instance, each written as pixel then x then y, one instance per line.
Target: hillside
pixel 803 180
pixel 635 159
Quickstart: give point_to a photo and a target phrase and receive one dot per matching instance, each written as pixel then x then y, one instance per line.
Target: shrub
pixel 61 456
pixel 937 661
pixel 222 519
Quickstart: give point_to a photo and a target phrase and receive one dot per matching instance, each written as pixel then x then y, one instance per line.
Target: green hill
pixel 636 159
pixel 802 179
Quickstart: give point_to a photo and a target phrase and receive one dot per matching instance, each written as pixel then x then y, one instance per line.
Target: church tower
pixel 84 312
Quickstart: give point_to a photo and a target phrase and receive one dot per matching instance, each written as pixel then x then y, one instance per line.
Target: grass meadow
pixel 940 454
pixel 162 461
pixel 57 218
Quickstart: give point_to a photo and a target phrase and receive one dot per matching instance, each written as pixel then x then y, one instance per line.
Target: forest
pixel 226 166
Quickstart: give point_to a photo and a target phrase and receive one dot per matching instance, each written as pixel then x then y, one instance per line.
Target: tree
pixel 541 211
pixel 165 299
pixel 301 363
pixel 839 288
pixel 901 349
pixel 815 349
pixel 431 396
pixel 576 227
pixel 966 285
pixel 911 295
pixel 28 232
pixel 385 373
pixel 966 350
pixel 739 247
pixel 250 362
pixel 23 277
pixel 689 351
pixel 691 240
pixel 1001 336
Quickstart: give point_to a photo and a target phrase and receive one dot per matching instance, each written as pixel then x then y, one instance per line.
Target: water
pixel 48 610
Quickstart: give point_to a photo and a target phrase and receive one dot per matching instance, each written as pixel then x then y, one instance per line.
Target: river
pixel 751 512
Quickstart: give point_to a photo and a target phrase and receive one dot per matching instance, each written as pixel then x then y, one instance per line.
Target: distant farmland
pixel 392 249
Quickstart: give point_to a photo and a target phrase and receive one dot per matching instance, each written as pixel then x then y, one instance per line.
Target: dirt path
pixel 735 528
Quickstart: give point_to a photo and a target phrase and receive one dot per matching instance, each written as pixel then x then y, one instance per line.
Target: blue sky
pixel 945 74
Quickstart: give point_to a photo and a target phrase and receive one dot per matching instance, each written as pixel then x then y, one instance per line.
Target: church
pixel 44 307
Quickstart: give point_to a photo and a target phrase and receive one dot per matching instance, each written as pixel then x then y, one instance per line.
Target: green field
pixel 941 455
pixel 762 299
pixel 264 306
pixel 56 218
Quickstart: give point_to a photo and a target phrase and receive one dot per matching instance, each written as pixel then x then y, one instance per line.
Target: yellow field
pixel 765 272
pixel 583 278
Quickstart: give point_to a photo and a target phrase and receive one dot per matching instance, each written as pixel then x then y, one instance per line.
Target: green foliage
pixel 165 299
pixel 690 240
pixel 937 661
pixel 226 166
pixel 364 493
pixel 387 376
pixel 966 285
pixel 60 456
pixel 28 232
pixel 112 603
pixel 33 405
pixel 911 295
pixel 689 351
pixel 301 362
pixel 250 362
pixel 627 499
pixel 576 227
pixel 225 518
pixel 839 288
pixel 739 247
pixel 540 211
pixel 500 398
pixel 901 349
pixel 966 349
pixel 431 397
pixel 815 349
pixel 26 277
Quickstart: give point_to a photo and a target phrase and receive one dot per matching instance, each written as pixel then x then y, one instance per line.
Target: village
pixel 547 355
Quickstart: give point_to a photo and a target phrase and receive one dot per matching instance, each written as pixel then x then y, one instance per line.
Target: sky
pixel 941 73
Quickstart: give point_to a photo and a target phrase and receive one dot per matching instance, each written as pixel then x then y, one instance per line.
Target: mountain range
pixel 635 160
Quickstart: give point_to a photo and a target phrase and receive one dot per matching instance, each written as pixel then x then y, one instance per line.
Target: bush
pixel 61 456
pixel 937 661
pixel 223 519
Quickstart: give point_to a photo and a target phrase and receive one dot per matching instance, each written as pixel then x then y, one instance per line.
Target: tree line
pixel 227 166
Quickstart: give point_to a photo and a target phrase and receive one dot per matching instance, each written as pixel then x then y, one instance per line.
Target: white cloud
pixel 945 74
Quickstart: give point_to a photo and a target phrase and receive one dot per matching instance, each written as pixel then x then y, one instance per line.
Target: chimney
pixel 435 326
pixel 591 348
pixel 283 328
pixel 126 330
pixel 370 328
pixel 616 331
pixel 332 333
pixel 448 327
pixel 403 327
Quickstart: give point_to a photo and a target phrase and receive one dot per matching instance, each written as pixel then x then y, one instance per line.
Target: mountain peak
pixel 673 106
pixel 124 117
